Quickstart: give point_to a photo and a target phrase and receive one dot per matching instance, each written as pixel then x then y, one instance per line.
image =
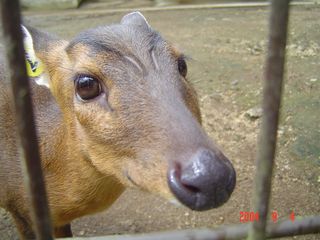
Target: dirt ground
pixel 227 49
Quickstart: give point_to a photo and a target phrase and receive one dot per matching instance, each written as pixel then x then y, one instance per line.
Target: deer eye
pixel 87 87
pixel 182 67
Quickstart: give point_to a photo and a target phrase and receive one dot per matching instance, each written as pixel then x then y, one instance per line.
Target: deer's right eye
pixel 87 87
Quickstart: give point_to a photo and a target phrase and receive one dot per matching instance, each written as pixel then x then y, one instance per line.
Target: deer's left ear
pixel 37 45
pixel 34 66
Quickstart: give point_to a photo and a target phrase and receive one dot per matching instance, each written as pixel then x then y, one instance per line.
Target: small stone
pixel 187 214
pixel 81 233
pixel 235 82
pixel 313 80
pixel 211 19
pixel 281 130
pixel 256 50
pixel 318 179
pixel 254 113
pixel 309 52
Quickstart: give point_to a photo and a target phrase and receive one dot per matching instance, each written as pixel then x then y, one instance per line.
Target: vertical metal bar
pixel 271 104
pixel 24 115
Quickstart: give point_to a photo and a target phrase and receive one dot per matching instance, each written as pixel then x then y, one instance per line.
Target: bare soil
pixel 227 49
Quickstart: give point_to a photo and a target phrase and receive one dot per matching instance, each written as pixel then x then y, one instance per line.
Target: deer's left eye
pixel 182 67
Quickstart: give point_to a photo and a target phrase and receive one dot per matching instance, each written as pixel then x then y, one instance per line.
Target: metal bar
pixel 302 226
pixel 24 115
pixel 307 225
pixel 271 104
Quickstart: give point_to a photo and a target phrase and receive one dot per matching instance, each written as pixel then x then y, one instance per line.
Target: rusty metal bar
pixel 271 105
pixel 307 225
pixel 301 226
pixel 11 20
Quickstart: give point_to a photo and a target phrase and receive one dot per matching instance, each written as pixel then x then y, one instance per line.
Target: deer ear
pixel 135 18
pixel 36 45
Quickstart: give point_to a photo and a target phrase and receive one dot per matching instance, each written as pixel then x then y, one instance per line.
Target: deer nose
pixel 205 182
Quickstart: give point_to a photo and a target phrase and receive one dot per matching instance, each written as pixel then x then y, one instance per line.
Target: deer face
pixel 124 96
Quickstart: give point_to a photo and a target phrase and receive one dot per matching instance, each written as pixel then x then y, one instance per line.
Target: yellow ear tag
pixel 34 67
pixel 33 64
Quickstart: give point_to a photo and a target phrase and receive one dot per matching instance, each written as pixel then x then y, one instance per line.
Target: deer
pixel 114 109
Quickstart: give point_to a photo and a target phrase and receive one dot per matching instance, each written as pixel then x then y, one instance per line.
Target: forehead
pixel 118 39
pixel 131 49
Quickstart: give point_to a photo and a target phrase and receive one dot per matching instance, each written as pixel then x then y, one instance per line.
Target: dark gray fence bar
pixel 301 226
pixel 24 114
pixel 271 104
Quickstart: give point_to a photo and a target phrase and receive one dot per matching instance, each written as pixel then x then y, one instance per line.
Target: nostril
pixel 185 193
pixel 186 186
pixel 176 177
pixel 191 188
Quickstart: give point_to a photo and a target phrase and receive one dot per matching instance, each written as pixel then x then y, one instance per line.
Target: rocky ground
pixel 227 49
